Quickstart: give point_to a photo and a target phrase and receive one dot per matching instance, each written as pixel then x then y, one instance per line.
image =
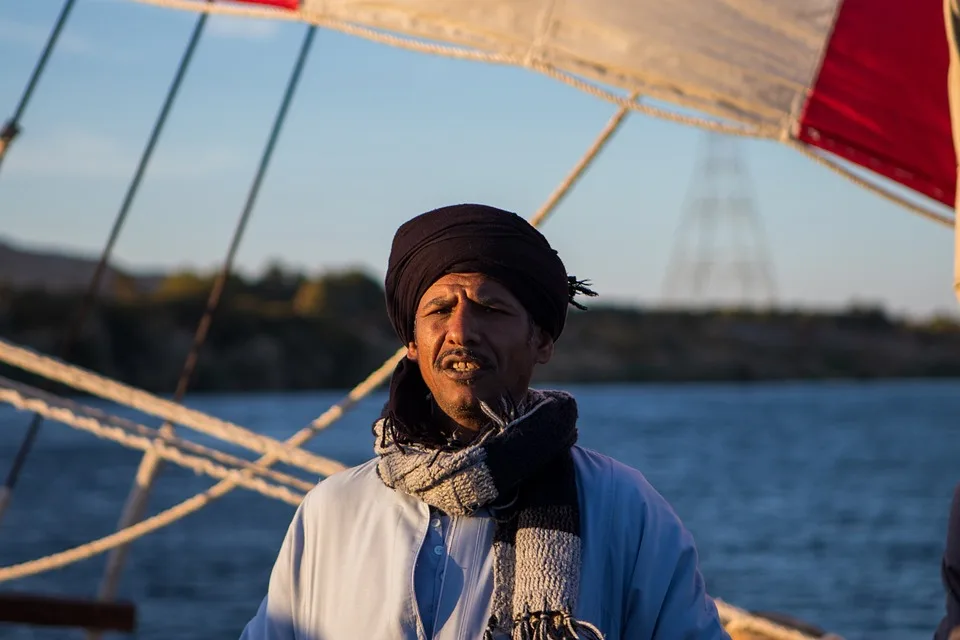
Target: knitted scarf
pixel 522 470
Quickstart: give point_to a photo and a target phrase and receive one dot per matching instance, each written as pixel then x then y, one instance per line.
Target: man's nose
pixel 463 326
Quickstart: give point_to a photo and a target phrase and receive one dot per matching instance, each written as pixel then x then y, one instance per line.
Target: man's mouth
pixel 463 367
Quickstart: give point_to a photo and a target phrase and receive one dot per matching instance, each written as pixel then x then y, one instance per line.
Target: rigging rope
pixel 24 359
pixel 100 386
pixel 149 465
pixel 93 288
pixel 197 502
pixel 824 161
pixel 159 444
pixel 12 389
pixel 11 128
pixel 555 198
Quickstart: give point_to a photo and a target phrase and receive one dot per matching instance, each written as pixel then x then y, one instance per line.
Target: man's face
pixel 473 341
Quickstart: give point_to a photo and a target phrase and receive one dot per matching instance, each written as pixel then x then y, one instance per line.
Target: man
pixel 480 519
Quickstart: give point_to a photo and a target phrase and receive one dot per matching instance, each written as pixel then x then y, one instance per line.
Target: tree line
pixel 285 330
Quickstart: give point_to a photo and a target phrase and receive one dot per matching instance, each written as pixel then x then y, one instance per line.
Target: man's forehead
pixel 476 283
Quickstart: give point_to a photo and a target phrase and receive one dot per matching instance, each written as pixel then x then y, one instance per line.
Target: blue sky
pixel 377 135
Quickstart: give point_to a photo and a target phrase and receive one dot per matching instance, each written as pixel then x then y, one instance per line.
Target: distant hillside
pixel 60 272
pixel 291 333
pixel 290 330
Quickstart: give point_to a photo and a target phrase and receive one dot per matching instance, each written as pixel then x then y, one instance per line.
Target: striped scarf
pixel 522 469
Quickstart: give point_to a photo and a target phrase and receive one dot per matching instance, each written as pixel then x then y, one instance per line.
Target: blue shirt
pixel 430 570
pixel 430 574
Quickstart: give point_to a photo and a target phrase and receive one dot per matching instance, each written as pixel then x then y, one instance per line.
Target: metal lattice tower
pixel 720 254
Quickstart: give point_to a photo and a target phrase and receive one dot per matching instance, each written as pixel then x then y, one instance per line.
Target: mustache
pixel 462 353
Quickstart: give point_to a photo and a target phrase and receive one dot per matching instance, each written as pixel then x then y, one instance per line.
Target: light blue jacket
pixel 356 565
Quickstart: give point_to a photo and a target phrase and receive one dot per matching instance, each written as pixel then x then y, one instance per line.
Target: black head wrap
pixel 473 238
pixel 468 238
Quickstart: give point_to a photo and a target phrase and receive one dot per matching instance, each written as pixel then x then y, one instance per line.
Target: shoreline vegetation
pixel 285 331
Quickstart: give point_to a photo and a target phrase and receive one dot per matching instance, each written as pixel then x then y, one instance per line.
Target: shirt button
pixel 438 549
pixel 435 522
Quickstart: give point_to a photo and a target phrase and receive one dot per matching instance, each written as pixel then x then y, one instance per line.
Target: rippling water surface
pixel 824 501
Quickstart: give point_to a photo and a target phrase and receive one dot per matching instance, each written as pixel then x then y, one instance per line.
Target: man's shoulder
pixel 624 487
pixel 345 487
pixel 602 472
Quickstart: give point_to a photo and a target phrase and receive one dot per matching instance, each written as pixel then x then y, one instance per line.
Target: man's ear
pixel 412 352
pixel 544 343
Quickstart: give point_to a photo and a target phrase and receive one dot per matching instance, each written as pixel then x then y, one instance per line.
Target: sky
pixel 377 135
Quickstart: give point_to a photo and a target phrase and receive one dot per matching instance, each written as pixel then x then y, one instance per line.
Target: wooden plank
pixel 60 611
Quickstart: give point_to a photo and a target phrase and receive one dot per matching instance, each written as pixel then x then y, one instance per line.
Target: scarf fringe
pixel 552 626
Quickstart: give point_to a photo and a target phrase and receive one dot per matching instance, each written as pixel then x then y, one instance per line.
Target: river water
pixel 826 501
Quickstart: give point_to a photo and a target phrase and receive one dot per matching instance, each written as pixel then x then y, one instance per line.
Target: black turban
pixel 473 238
